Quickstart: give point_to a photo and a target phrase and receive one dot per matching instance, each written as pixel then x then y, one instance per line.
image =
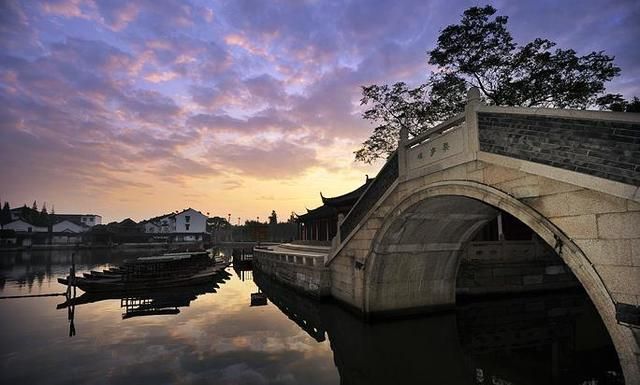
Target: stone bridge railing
pixel 385 178
pixel 605 145
pixel 293 258
pixel 434 147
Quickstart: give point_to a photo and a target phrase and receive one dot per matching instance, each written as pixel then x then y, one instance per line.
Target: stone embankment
pixel 301 267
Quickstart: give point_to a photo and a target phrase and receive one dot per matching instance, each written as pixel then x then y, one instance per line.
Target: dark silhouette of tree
pixel 217 223
pixel 5 214
pixel 480 52
pixel 615 102
pixel 273 218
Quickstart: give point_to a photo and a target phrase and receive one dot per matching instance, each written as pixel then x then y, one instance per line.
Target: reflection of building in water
pixel 551 338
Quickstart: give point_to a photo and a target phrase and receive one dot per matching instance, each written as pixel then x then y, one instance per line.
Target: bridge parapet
pixel 600 144
pixel 445 145
pixel 591 149
pixel 383 181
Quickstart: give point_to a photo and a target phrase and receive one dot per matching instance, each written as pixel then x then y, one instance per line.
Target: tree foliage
pixel 273 218
pixel 480 52
pixel 615 102
pixel 217 223
pixel 5 214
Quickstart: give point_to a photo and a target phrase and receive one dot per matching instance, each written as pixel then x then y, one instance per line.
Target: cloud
pixel 133 94
pixel 279 160
pixel 159 77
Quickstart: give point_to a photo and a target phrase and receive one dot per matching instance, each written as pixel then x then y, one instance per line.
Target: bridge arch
pixel 415 254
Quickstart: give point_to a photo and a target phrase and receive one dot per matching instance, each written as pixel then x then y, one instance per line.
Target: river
pixel 213 335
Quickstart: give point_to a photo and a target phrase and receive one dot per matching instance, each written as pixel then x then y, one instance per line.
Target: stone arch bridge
pixel 572 176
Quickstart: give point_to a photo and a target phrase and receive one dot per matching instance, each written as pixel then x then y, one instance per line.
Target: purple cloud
pixel 179 89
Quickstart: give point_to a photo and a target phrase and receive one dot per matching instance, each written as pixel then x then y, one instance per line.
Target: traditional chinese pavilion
pixel 321 223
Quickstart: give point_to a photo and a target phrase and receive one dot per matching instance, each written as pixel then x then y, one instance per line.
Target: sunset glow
pixel 134 109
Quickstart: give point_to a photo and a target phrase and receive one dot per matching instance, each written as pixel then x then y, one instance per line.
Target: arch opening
pixel 506 256
pixel 423 257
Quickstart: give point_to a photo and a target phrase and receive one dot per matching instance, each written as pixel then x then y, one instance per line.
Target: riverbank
pixel 142 245
pixel 122 246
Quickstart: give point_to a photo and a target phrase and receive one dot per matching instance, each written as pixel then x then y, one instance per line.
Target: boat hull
pixel 118 284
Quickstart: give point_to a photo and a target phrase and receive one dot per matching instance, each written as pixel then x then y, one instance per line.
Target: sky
pixel 137 108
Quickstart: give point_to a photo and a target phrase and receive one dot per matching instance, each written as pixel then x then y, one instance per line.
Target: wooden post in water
pixel 72 308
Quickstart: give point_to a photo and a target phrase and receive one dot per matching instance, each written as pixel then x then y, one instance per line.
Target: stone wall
pixel 511 266
pixel 606 149
pixel 300 273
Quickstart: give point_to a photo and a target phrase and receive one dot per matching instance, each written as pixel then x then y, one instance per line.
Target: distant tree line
pixel 255 230
pixel 30 215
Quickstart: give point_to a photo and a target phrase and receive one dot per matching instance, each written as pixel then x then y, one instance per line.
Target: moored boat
pixel 167 270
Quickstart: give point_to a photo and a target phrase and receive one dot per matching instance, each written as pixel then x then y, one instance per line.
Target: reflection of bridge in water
pixel 552 338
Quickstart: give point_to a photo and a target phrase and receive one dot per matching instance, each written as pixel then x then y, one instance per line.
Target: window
pixel 187 218
pixel 29 229
pixel 187 226
pixel 91 219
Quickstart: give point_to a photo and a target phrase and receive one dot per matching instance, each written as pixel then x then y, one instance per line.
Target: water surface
pixel 214 335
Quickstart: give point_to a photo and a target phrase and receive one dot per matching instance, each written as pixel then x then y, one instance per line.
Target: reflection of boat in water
pixel 168 270
pixel 150 302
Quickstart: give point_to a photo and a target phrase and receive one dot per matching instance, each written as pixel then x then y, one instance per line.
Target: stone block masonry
pixel 296 267
pixel 602 148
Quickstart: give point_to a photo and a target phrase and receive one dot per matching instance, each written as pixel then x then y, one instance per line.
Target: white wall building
pixel 190 221
pixel 68 227
pixel 168 224
pixel 90 220
pixel 22 226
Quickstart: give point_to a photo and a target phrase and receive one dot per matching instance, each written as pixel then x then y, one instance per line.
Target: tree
pixel 273 218
pixel 5 214
pixel 615 102
pixel 217 223
pixel 34 207
pixel 480 52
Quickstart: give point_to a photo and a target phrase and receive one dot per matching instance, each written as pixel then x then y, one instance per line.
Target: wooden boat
pixel 167 270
